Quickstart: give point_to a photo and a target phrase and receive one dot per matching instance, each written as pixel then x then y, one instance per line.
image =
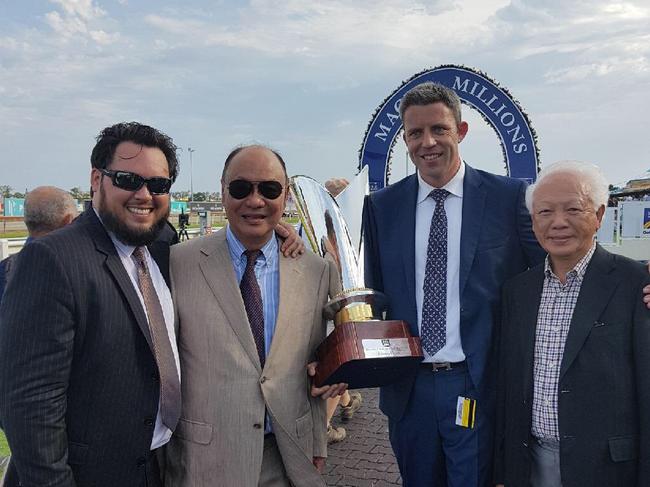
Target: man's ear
pixel 599 214
pixel 463 127
pixel 95 180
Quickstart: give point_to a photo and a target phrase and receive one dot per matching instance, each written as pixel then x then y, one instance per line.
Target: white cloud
pixel 78 19
pixel 84 9
pixel 323 28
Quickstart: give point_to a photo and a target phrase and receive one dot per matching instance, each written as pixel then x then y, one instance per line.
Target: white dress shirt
pixel 453 349
pixel 161 434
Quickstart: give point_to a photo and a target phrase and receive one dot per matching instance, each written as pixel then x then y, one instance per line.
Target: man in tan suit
pixel 249 321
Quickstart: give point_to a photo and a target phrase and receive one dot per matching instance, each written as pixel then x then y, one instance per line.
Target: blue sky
pixel 306 76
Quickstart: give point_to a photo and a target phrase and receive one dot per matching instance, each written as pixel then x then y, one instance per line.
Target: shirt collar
pixel 454 186
pixel 579 269
pixel 237 249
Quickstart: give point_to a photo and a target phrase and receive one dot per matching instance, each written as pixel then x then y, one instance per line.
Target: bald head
pixel 48 208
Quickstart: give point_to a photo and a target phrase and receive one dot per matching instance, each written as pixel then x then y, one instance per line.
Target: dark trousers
pixel 151 474
pixel 431 450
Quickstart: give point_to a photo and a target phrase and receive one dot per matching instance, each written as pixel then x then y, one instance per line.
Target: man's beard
pixel 127 235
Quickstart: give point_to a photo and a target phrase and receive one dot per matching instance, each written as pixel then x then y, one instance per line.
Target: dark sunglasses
pixel 240 188
pixel 133 182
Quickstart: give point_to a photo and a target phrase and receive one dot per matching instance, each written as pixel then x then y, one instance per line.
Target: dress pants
pixel 151 477
pixel 545 463
pixel 431 450
pixel 273 473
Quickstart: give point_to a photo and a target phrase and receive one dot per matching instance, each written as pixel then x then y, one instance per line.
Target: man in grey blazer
pixel 574 393
pixel 85 397
pixel 249 321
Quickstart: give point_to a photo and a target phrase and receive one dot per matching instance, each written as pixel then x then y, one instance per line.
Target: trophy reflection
pixel 363 350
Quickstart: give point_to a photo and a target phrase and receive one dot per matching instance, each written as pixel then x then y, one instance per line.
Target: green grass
pixel 4 446
pixel 14 234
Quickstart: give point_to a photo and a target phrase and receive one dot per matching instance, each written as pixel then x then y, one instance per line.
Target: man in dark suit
pixel 574 393
pixel 440 244
pixel 89 384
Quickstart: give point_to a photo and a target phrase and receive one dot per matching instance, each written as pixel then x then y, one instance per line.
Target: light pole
pixel 190 150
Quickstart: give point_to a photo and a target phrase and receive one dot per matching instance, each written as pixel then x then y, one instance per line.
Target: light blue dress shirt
pixel 267 272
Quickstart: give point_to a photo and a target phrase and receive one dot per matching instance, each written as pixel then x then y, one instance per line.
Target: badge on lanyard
pixel 465 412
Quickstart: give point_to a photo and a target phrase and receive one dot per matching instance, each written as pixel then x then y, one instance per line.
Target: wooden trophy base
pixel 367 354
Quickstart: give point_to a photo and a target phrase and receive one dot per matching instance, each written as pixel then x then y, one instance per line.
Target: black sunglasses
pixel 133 182
pixel 240 188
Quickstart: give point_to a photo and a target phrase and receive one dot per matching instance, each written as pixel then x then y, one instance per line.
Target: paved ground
pixel 364 458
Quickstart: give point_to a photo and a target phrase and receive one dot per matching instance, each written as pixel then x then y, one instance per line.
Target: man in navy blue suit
pixel 440 244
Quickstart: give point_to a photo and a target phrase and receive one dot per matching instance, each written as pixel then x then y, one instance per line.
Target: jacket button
pixel 525 444
pixel 142 461
pixel 154 376
pixel 257 426
pixel 263 379
pixel 148 421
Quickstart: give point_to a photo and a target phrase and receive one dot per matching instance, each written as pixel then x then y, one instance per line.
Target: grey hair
pixel 591 178
pixel 428 93
pixel 46 208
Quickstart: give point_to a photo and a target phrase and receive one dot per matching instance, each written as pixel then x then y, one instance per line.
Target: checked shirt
pixel 553 320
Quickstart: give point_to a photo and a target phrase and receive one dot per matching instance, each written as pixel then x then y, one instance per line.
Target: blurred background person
pixel 47 208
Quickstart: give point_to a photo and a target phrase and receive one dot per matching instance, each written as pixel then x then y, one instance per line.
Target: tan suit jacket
pixel 219 439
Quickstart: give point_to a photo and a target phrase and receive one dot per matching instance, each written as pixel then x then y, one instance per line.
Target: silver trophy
pixel 363 350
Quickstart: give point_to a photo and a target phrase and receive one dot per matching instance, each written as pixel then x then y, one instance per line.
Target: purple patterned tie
pixel 434 305
pixel 170 387
pixel 250 293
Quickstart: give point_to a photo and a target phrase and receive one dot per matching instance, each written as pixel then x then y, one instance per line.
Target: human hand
pixel 292 245
pixel 319 463
pixel 326 391
pixel 646 291
pixel 336 185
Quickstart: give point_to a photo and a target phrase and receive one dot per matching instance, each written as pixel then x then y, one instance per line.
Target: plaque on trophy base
pixel 367 354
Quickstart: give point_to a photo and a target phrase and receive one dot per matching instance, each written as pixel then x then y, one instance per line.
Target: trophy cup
pixel 363 350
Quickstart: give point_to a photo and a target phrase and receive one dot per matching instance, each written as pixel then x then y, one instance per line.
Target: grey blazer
pixel 219 440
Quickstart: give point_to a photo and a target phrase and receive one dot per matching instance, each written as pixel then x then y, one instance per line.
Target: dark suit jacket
pixel 78 380
pixel 496 243
pixel 604 387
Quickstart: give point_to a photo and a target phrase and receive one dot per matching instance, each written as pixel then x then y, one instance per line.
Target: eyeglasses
pixel 129 181
pixel 240 188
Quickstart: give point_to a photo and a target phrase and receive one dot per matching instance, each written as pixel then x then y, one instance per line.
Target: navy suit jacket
pixel 604 384
pixel 497 243
pixel 79 384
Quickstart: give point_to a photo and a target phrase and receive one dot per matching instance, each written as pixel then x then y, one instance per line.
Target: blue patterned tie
pixel 434 305
pixel 252 296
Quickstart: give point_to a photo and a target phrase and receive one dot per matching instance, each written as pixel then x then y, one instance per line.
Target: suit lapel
pixel 290 290
pixel 405 239
pixel 217 269
pixel 530 294
pixel 473 206
pixel 104 245
pixel 597 287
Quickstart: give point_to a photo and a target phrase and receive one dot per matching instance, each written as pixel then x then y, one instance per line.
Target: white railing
pixel 10 246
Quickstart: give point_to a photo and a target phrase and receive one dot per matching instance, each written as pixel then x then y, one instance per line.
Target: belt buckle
pixel 440 366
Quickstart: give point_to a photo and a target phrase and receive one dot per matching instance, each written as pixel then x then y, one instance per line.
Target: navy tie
pixel 250 293
pixel 433 334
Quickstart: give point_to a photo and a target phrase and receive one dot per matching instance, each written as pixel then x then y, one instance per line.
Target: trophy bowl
pixel 363 350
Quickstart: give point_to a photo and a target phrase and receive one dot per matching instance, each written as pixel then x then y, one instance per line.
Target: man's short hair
pixel 46 209
pixel 428 93
pixel 109 138
pixel 593 181
pixel 240 148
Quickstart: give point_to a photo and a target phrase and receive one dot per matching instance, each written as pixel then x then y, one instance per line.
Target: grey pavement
pixel 365 457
